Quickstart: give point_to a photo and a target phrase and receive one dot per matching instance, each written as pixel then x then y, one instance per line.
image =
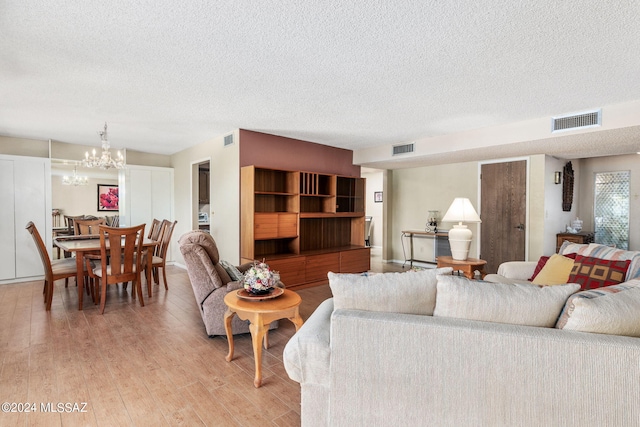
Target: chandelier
pixel 105 161
pixel 75 179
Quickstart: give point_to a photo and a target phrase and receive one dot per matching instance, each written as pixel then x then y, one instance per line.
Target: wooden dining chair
pixel 88 226
pixel 120 260
pixel 68 222
pixel 154 230
pixel 53 270
pixel 160 259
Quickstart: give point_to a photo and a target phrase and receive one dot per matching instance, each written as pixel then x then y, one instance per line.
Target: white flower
pixel 258 278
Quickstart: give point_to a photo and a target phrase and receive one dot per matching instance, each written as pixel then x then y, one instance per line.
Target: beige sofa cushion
pixel 613 310
pixel 518 304
pixel 411 292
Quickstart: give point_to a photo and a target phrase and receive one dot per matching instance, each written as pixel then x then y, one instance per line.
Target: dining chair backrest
pixel 42 250
pixel 122 247
pixel 154 230
pixel 167 231
pixel 70 223
pixel 88 226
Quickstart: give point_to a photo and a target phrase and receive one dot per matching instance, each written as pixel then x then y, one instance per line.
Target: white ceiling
pixel 167 75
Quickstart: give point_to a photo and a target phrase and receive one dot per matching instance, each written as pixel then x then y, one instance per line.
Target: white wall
pixel 556 220
pixel 80 200
pixel 416 191
pixel 373 209
pixel 224 194
pixel 588 169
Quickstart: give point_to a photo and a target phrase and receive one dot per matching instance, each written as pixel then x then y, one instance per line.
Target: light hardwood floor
pixel 144 366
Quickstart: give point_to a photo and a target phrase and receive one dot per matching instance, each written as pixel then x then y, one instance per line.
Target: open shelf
pixel 304 223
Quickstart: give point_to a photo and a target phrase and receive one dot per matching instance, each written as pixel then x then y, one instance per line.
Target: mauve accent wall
pixel 277 152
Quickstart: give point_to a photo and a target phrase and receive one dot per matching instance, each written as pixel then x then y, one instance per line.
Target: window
pixel 611 208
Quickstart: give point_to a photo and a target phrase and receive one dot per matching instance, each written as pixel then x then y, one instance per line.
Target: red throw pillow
pixel 592 273
pixel 542 261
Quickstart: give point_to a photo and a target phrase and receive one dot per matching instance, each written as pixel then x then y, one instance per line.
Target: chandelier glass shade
pixel 105 160
pixel 75 179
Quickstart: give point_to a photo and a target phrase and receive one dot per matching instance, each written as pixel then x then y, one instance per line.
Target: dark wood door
pixel 503 203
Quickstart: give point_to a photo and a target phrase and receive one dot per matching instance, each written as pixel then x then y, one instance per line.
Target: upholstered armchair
pixel 211 282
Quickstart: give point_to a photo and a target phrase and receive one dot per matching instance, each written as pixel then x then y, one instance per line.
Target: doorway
pixel 503 209
pixel 201 196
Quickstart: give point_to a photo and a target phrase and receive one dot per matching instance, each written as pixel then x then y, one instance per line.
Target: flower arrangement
pixel 259 279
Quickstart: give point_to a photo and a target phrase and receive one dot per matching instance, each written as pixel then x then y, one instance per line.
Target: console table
pixel 582 237
pixel 440 244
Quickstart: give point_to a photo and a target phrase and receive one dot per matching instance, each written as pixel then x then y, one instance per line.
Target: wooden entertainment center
pixel 303 224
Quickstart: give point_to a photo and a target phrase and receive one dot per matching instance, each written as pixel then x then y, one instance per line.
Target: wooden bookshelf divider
pixel 303 224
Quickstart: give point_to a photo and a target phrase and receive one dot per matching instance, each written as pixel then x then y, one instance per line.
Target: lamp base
pixel 460 241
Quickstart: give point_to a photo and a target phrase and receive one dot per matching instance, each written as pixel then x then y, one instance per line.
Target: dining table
pixel 90 244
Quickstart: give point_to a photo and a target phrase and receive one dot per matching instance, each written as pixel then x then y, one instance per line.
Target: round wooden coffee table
pixel 260 314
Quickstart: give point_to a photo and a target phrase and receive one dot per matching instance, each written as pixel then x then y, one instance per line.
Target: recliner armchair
pixel 211 282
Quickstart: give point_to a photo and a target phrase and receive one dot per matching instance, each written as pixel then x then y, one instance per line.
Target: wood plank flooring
pixel 143 366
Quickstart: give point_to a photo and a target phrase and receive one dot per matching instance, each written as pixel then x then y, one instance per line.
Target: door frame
pixel 195 182
pixel 527 160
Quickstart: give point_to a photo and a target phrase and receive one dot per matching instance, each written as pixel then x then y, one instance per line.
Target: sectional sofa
pixel 429 348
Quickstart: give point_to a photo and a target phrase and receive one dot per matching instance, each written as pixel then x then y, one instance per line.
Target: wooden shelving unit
pixel 303 224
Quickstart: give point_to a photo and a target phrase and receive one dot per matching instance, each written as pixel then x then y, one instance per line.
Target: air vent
pixel 576 121
pixel 228 140
pixel 402 149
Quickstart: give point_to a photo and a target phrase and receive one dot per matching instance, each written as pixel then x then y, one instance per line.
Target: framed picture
pixel 377 196
pixel 108 198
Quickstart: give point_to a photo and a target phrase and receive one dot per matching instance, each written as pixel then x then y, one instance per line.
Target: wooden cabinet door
pixel 287 225
pixel 275 225
pixel 266 226
pixel 317 266
pixel 292 270
pixel 355 261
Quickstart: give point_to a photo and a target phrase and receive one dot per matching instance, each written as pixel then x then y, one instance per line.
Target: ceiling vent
pixel 402 149
pixel 576 121
pixel 228 140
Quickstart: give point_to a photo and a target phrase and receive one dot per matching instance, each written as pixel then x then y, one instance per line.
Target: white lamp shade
pixel 461 210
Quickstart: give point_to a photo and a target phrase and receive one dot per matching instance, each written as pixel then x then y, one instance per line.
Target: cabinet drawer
pixel 292 270
pixel 317 266
pixel 356 261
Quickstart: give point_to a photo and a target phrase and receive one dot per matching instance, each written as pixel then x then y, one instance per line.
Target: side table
pixel 260 314
pixel 468 266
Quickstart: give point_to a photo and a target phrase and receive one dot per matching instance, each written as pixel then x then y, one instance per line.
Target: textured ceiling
pixel 167 75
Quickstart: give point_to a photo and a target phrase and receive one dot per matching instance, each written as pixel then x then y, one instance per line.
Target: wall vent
pixel 228 140
pixel 402 149
pixel 576 121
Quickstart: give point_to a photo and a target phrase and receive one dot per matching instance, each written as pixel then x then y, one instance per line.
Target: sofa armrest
pixel 307 354
pixel 519 270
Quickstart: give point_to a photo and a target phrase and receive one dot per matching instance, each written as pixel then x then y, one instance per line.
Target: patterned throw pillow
pixel 591 273
pixel 613 310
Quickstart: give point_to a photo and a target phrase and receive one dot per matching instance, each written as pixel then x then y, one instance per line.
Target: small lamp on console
pixel 461 210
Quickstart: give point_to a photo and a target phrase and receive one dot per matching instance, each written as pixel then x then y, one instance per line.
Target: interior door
pixel 503 205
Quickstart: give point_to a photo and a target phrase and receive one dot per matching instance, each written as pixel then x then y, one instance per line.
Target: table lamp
pixel 461 210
